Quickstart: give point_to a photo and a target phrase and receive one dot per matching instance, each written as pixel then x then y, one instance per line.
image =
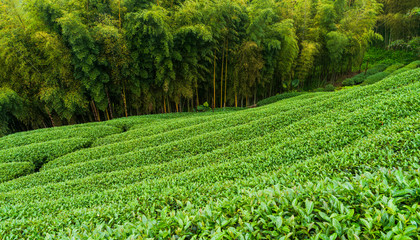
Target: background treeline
pixel 72 61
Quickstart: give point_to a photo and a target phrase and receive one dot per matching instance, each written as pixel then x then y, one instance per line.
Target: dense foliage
pixel 320 165
pixel 68 61
pixel 399 24
pixel 379 71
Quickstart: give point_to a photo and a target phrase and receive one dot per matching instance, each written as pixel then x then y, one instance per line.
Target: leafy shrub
pixel 376 69
pixel 31 137
pixel 11 106
pixel 278 97
pixel 394 67
pixel 41 153
pixel 399 44
pixel 136 158
pixel 332 165
pixel 203 108
pixel 239 126
pixel 329 88
pixel 135 122
pixel 411 66
pixel 358 79
pixel 414 45
pixel 9 171
pixel 375 78
pixel 348 81
pixel 354 80
pixel 346 207
pixel 159 126
pixel 379 55
pixel 182 198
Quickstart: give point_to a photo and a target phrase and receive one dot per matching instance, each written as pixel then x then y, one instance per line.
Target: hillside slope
pixel 319 165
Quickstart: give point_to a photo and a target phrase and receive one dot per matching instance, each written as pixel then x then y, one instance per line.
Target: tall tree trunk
pixel 255 94
pixel 109 104
pixel 227 52
pixel 221 77
pixel 214 81
pixel 50 116
pixel 192 105
pixel 164 104
pixel 124 100
pixel 169 105
pixel 180 103
pixel 107 114
pixel 196 94
pixel 385 38
pixel 236 99
pixel 95 112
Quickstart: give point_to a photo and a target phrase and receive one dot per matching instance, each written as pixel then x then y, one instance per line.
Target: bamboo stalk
pixel 227 51
pixel 214 81
pixel 221 77
pixel 164 104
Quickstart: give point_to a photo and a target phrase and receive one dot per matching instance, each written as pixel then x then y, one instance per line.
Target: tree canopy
pixel 76 61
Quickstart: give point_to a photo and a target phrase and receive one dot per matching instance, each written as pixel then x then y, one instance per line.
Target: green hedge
pixel 178 198
pixel 93 132
pixel 41 153
pixel 134 159
pixel 208 141
pixel 394 67
pixel 9 171
pixel 145 121
pixel 154 127
pixel 411 66
pixel 278 97
pixel 360 78
pixel 371 204
pixel 346 128
pixel 375 78
pixel 210 127
pixel 303 129
pixel 305 173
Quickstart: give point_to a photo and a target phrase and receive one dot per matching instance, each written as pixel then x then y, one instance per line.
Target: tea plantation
pixel 323 165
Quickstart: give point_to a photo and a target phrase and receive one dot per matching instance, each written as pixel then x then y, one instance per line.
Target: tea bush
pixel 335 165
pixel 278 97
pixel 41 153
pixel 360 78
pixel 413 65
pixel 9 171
pixel 375 78
pixel 329 88
pixel 17 140
pixel 394 67
pixel 157 126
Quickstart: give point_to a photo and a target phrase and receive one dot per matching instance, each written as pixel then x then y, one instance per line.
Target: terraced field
pixel 336 165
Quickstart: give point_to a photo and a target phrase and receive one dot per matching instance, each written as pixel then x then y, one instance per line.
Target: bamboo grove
pixel 72 61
